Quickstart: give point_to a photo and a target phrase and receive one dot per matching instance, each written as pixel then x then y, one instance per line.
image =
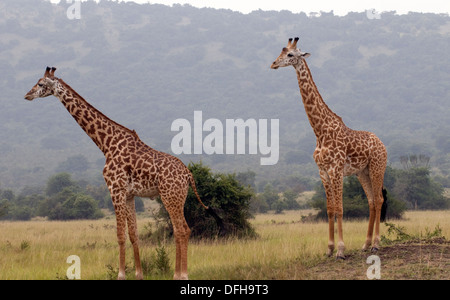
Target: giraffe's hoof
pixel 181 277
pixel 330 250
pixel 340 252
pixel 374 250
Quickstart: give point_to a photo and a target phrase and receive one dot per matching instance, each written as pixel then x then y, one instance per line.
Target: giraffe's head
pixel 45 86
pixel 290 56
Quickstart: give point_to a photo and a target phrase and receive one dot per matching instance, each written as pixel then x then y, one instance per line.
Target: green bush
pixel 61 199
pixel 419 190
pixel 4 206
pixel 76 206
pixel 225 195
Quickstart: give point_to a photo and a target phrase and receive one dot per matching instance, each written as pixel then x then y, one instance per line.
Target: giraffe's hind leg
pixel 371 180
pixel 376 177
pixel 377 168
pixel 364 179
pixel 174 203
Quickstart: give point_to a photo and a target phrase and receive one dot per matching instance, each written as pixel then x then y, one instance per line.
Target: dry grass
pixel 286 248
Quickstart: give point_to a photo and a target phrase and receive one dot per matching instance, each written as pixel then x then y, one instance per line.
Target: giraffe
pixel 131 169
pixel 340 151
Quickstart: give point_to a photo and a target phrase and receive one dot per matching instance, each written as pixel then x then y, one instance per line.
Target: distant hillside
pixel 145 66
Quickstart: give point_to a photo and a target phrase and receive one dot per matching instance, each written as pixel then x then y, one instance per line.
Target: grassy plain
pixel 286 249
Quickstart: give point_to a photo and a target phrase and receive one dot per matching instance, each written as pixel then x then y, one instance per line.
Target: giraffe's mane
pixel 324 103
pixel 95 109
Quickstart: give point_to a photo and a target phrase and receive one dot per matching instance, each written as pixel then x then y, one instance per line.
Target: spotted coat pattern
pixel 131 169
pixel 340 151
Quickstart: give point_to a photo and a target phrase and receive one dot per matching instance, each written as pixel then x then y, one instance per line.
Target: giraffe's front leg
pixel 118 197
pixel 121 219
pixel 134 238
pixel 330 210
pixel 333 190
pixel 337 183
pixel 330 233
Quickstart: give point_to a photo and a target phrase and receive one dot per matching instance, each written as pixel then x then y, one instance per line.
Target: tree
pixel 278 206
pixel 85 207
pixel 58 182
pixel 223 193
pixel 66 201
pixel 101 194
pixel 6 198
pixel 290 199
pixel 259 205
pixel 270 195
pixel 75 206
pixel 247 178
pixel 22 213
pixel 3 207
pixel 416 187
pixel 7 194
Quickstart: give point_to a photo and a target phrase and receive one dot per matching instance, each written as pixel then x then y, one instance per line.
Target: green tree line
pixel 233 195
pixel 62 198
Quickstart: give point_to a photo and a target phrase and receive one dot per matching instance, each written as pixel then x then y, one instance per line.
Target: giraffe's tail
pixel 207 208
pixel 194 188
pixel 384 206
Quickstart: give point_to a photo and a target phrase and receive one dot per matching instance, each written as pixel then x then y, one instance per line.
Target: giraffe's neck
pixel 319 114
pixel 97 126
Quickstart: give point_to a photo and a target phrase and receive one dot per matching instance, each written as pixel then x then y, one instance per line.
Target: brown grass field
pixel 286 249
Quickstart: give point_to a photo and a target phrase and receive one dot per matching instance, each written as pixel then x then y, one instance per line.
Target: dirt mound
pixel 410 260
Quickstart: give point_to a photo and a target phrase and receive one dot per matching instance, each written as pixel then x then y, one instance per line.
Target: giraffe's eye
pixel 40 84
pixel 290 55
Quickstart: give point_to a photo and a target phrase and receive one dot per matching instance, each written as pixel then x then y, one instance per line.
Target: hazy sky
pixel 341 7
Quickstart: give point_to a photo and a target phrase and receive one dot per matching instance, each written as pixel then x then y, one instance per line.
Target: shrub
pixel 225 195
pixel 68 205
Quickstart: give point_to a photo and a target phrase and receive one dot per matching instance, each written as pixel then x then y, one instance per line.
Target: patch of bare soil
pixel 418 260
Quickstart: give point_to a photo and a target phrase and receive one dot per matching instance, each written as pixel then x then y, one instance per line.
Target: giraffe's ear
pixel 305 55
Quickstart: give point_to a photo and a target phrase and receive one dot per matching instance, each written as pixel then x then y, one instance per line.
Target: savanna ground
pixel 286 249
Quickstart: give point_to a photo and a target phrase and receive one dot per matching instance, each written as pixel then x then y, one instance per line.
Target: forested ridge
pixel 145 66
